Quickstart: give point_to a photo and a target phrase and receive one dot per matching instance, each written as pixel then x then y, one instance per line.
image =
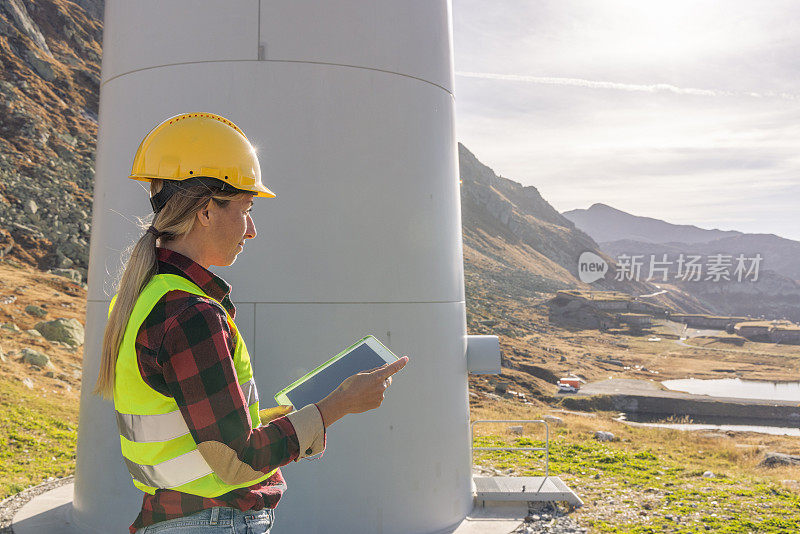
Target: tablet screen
pixel 316 388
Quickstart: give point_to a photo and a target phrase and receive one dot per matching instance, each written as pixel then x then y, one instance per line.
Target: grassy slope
pixel 37 426
pixel 37 437
pixel 650 480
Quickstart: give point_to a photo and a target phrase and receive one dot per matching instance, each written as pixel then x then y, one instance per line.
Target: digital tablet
pixel 363 355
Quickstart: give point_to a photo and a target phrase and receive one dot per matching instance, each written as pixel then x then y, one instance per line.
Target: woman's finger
pixel 391 368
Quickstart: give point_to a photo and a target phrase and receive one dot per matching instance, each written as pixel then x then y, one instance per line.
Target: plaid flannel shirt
pixel 185 351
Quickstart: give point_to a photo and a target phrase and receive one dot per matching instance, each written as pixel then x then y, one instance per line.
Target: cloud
pixel 649 88
pixel 685 111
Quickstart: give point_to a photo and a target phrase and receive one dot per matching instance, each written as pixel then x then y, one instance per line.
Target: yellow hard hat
pixel 199 146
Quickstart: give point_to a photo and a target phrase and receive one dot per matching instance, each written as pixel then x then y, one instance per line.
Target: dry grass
pixel 61 298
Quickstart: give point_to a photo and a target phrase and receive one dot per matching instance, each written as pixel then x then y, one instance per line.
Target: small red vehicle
pixel 569 385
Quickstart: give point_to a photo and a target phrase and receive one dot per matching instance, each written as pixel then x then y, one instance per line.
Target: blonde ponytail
pixel 175 220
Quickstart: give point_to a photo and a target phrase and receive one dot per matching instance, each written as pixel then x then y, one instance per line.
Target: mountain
pixel 517 246
pixel 605 223
pixel 49 87
pixel 772 290
pixel 778 254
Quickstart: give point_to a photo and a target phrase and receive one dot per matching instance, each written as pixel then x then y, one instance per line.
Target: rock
pixel 17 10
pixel 72 274
pixel 69 331
pixel 552 420
pixel 31 207
pixel 27 382
pixel 36 311
pixel 34 357
pixel 776 459
pixel 2 356
pixel 10 326
pixel 43 68
pixel 601 435
pixel 517 430
pixel 708 474
pixel 34 333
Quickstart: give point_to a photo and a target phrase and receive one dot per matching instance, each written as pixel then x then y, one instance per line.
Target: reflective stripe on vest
pixel 167 426
pixel 172 473
pixel 157 446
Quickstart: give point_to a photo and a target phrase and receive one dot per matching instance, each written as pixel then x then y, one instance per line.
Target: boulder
pixel 10 326
pixel 2 356
pixel 72 274
pixel 777 459
pixel 601 435
pixel 552 420
pixel 69 331
pixel 43 68
pixel 36 311
pixel 31 206
pixel 34 357
pixel 19 13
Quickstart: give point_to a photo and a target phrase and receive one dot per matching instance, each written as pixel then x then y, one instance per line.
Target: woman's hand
pixel 359 393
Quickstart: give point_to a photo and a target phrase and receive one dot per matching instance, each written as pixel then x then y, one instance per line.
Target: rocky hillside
pixel 49 85
pixel 773 293
pixel 517 246
pixel 779 254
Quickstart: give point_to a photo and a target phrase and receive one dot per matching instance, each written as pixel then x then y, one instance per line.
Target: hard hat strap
pixel 170 187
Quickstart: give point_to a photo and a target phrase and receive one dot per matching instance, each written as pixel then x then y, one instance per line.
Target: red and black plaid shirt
pixel 185 351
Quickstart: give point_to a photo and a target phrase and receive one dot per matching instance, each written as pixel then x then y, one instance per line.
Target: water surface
pixel 737 388
pixel 779 428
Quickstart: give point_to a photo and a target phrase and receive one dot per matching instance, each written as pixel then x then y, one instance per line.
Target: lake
pixel 715 423
pixel 737 388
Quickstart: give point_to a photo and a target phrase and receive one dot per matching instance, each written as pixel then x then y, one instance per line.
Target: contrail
pixel 594 84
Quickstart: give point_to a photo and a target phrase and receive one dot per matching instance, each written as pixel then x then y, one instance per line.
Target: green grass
pixel 639 491
pixel 37 438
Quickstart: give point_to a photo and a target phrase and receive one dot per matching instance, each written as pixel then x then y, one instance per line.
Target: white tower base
pixel 51 512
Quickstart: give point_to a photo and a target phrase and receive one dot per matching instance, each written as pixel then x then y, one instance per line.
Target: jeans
pixel 216 521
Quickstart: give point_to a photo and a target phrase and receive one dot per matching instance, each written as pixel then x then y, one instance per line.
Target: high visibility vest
pixel 156 444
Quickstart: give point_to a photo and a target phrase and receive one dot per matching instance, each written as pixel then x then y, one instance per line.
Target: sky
pixel 686 111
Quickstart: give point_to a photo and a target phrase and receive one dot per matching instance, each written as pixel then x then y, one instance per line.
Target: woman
pixel 174 362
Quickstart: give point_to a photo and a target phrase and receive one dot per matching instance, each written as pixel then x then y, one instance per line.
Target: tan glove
pixel 268 414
